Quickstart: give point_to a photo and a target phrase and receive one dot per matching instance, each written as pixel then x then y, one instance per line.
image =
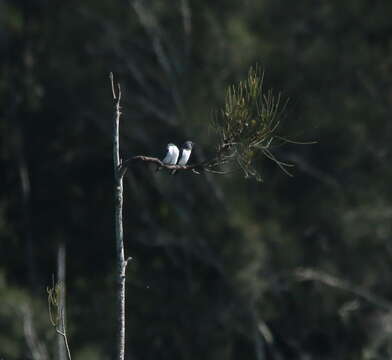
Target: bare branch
pixel 63 333
pixel 127 261
pixel 112 83
pixel 308 274
pixel 207 166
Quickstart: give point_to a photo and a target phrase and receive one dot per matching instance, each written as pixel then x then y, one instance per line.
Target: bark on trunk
pixel 118 203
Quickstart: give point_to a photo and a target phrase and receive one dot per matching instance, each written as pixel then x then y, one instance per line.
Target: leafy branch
pixel 247 124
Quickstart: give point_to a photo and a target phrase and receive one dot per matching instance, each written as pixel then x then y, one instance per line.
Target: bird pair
pixel 173 156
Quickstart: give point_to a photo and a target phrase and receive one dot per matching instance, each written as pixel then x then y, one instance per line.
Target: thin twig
pixel 112 83
pixel 64 333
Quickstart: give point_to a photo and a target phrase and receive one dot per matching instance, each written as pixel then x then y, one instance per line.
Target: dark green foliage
pixel 248 122
pixel 54 306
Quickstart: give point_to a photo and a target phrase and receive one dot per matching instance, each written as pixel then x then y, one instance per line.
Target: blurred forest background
pixel 224 268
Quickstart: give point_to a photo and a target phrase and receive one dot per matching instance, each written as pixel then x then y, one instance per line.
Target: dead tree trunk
pixel 118 205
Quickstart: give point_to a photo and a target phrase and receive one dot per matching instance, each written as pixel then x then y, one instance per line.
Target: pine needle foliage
pixel 54 309
pixel 247 124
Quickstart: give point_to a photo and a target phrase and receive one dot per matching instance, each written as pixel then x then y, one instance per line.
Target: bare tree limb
pixel 207 166
pixel 153 160
pixel 307 274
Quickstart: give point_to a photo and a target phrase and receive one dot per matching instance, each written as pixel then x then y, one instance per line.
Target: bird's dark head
pixel 188 145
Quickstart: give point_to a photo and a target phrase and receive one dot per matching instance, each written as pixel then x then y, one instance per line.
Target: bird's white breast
pixel 175 152
pixel 184 157
pixel 171 155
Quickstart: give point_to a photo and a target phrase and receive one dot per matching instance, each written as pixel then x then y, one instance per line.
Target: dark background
pixel 224 267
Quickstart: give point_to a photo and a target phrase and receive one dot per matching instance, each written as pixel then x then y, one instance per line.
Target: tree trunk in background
pixel 24 177
pixel 22 109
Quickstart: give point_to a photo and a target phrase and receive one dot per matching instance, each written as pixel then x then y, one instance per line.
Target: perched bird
pixel 185 154
pixel 171 155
